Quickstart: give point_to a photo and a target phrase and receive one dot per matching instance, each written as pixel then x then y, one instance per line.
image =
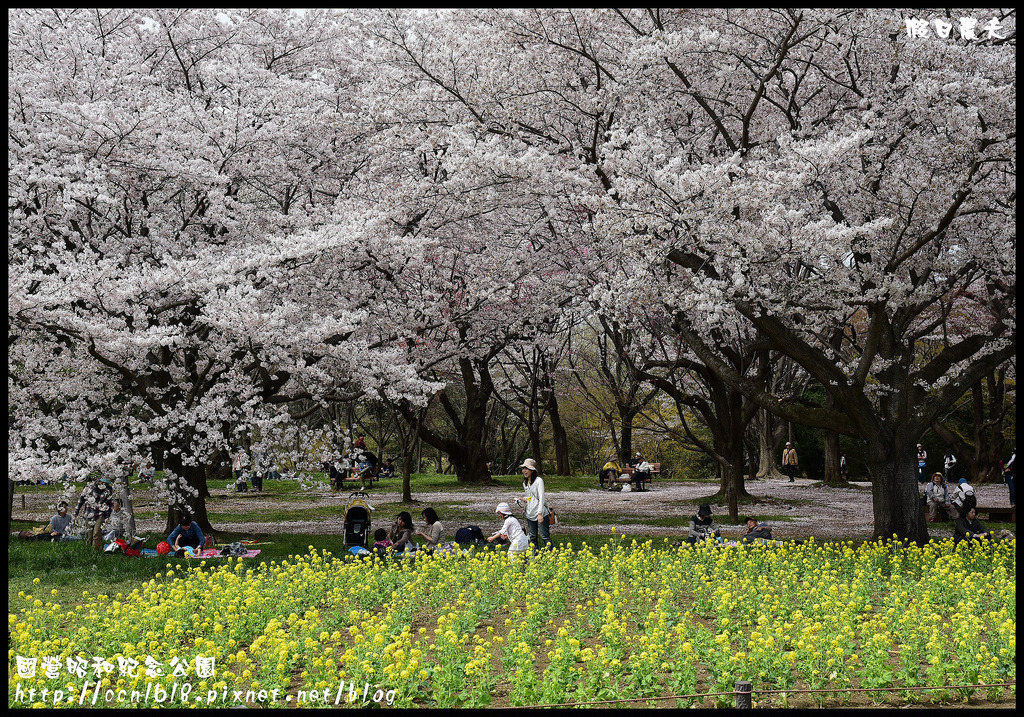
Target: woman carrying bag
pixel 538 513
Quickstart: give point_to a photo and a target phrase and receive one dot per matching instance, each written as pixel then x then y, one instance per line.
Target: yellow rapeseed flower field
pixel 623 622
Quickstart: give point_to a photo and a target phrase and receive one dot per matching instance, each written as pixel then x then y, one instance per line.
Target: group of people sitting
pixel 960 503
pixel 641 473
pixel 703 527
pixel 952 500
pixel 400 539
pixel 359 464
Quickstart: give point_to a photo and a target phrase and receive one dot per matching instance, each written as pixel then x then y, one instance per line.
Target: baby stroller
pixel 357 520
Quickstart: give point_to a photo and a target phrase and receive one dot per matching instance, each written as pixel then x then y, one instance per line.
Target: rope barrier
pixel 890 689
pixel 767 692
pixel 632 699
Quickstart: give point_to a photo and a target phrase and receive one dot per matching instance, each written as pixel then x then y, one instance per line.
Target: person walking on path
pixel 537 512
pixel 844 470
pixel 238 464
pixel 948 462
pixel 1009 466
pixel 790 461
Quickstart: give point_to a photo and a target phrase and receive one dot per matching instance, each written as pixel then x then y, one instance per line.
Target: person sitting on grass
pixel 702 527
pixel 116 524
pixel 755 530
pixel 186 534
pixel 435 529
pixel 401 533
pixel 147 473
pixel 381 544
pixel 60 524
pixel 54 530
pixel 969 528
pixel 387 470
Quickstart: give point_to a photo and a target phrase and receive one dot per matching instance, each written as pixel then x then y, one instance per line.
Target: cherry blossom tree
pixel 169 176
pixel 821 173
pixel 827 177
pixel 488 215
pixel 213 215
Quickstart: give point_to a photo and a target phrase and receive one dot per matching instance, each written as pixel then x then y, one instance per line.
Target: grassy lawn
pixel 71 567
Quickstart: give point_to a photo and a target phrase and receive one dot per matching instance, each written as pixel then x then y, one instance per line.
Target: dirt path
pixel 800 510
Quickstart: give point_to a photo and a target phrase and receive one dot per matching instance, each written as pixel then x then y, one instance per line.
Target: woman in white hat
pixel 510 530
pixel 537 511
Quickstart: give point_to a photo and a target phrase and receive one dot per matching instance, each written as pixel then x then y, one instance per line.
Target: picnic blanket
pixel 207 553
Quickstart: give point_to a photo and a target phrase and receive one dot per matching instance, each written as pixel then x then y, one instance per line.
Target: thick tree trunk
pixel 832 474
pixel 407 478
pixel 536 449
pixel 729 453
pixel 625 436
pixel 471 467
pixel 767 462
pixel 560 440
pixel 124 493
pixel 407 461
pixel 894 491
pixel 194 477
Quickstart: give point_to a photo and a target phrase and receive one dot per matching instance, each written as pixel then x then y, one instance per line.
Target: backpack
pixel 235 549
pixel 469 535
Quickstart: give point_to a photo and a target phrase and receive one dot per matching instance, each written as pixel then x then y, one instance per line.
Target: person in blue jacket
pixel 186 534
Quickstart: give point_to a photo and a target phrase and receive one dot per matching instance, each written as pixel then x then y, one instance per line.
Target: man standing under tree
pixel 789 461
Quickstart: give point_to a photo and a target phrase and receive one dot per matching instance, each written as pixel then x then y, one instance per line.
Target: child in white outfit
pixel 512 530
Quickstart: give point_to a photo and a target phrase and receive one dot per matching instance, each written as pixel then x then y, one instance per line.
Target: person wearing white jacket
pixel 537 511
pixel 512 531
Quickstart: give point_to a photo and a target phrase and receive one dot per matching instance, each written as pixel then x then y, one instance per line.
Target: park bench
pixel 998 514
pixel 943 518
pixel 351 476
pixel 627 476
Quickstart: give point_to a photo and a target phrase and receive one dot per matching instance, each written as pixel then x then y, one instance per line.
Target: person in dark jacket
pixel 702 526
pixel 755 530
pixel 968 527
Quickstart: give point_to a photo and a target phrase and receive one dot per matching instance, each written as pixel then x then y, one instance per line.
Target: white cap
pixel 503 508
